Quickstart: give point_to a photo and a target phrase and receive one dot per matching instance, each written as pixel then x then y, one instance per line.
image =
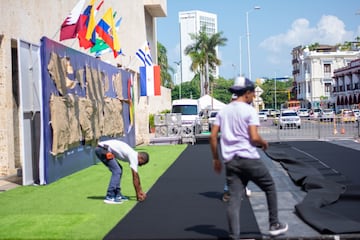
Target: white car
pixel 267 111
pixel 357 114
pixel 327 115
pixel 211 119
pixel 303 112
pixel 289 118
pixel 315 113
pixel 262 116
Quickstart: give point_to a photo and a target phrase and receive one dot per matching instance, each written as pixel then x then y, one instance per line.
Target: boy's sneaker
pixel 278 228
pixel 112 200
pixel 122 198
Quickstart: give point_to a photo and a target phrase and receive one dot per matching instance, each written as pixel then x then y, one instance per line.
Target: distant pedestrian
pixel 110 150
pixel 239 138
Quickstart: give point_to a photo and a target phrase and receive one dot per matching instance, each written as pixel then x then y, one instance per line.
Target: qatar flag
pixel 70 26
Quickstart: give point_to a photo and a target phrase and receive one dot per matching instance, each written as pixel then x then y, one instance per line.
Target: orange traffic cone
pixel 342 130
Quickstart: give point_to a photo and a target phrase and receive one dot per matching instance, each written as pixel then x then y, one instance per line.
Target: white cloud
pixel 329 30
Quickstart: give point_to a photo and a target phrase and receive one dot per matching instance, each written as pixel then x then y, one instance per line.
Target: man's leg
pixel 236 190
pixel 114 184
pixel 260 176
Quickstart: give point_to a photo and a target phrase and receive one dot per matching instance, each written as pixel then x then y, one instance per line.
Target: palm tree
pixel 204 56
pixel 166 79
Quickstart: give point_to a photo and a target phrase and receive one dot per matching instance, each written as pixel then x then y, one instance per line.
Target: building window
pixel 327 87
pixel 327 68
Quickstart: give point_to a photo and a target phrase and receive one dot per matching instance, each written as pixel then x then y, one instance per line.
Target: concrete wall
pixel 30 20
pixel 150 105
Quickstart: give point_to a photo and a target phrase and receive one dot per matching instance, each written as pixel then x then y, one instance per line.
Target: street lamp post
pixel 240 63
pixel 177 73
pixel 248 38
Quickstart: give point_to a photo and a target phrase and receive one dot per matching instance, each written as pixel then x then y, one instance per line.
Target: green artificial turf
pixel 73 207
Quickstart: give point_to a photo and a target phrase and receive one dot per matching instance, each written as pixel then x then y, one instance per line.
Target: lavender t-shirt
pixel 234 121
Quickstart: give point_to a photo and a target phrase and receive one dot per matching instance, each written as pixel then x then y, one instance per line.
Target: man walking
pixel 110 150
pixel 239 138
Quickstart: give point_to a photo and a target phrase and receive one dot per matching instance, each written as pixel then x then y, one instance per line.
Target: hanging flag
pixel 144 55
pixel 70 26
pixel 107 31
pixel 83 26
pixel 150 81
pixel 130 93
pixel 90 32
pixel 98 7
pixel 101 46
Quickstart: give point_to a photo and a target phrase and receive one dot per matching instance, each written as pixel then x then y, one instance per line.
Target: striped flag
pixel 150 81
pixel 90 32
pixel 107 31
pixel 101 47
pixel 84 25
pixel 144 55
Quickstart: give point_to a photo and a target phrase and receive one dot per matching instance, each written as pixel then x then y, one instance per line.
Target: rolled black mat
pixel 329 174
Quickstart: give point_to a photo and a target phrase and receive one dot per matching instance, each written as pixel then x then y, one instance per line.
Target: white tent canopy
pixel 208 102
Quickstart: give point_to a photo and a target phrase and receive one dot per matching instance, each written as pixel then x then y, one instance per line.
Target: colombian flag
pixel 107 31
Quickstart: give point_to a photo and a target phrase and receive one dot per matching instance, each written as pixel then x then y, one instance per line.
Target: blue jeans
pixel 239 171
pixel 115 169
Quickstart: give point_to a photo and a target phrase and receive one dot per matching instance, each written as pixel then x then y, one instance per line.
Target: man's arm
pixel 256 139
pixel 214 149
pixel 140 195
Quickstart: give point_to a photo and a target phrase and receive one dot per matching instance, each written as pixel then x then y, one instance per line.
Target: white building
pixel 191 22
pixel 29 21
pixel 313 72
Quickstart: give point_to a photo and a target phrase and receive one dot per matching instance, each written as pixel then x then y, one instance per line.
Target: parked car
pixel 314 113
pixel 268 111
pixel 211 119
pixel 327 115
pixel 357 114
pixel 262 116
pixel 303 112
pixel 289 118
pixel 347 115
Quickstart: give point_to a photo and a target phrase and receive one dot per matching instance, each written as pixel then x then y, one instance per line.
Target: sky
pixel 275 29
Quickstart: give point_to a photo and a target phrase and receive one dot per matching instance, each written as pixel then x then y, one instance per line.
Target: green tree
pixel 166 79
pixel 283 88
pixel 203 54
pixel 220 90
pixel 189 89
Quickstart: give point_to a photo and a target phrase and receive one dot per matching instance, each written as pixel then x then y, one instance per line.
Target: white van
pixel 190 110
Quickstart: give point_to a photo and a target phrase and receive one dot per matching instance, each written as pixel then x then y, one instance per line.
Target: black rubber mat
pixel 185 203
pixel 329 174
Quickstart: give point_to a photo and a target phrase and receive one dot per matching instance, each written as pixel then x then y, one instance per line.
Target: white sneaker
pixel 248 192
pixel 112 200
pixel 278 228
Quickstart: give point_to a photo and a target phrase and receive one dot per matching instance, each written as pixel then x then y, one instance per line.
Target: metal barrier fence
pixel 168 128
pixel 310 129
